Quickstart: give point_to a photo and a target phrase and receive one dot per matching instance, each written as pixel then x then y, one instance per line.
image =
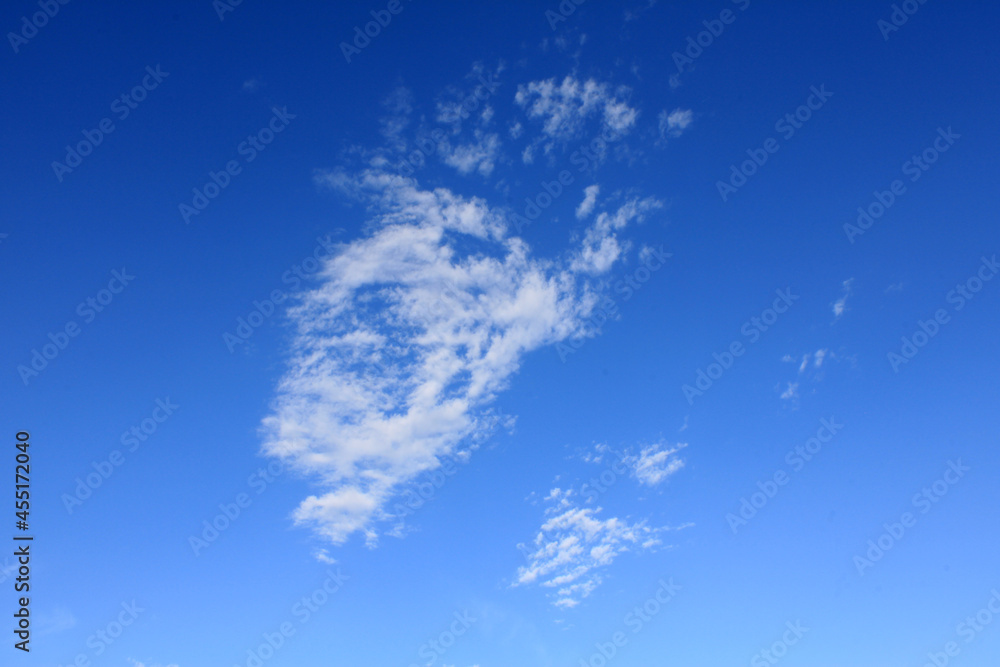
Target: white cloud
pixel 655 463
pixel 323 556
pixel 619 116
pixel 633 14
pixel 449 112
pixel 408 338
pixel 136 663
pixel 840 305
pixel 478 156
pixel 597 456
pixel 573 545
pixel 461 102
pixel 646 252
pixel 399 105
pixel 601 246
pixel 674 123
pixel 251 85
pixel 809 368
pixel 586 207
pixel 564 107
pixel 7 568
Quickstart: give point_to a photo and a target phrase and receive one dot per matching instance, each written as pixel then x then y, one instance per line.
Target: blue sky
pixel 642 333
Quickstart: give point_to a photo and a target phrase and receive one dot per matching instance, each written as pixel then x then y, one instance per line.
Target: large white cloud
pixel 413 330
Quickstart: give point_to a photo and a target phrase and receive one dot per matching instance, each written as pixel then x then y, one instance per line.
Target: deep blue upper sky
pixel 438 328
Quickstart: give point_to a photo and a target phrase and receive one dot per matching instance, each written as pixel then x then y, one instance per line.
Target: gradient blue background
pixel 162 337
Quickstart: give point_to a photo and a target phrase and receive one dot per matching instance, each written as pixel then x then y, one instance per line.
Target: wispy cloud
pixel 634 14
pixel 602 246
pixel 655 463
pixel 791 391
pixel 574 545
pixel 323 556
pixel 55 621
pixel 673 124
pixel 479 155
pixel 840 305
pixel 563 107
pixel 399 107
pixel 7 568
pixel 411 334
pixel 810 369
pixel 469 101
pixel 586 207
